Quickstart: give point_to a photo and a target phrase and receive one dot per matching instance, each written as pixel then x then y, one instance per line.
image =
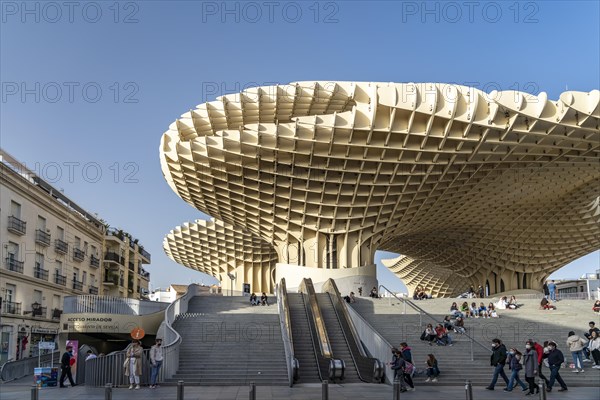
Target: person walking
pixel 133 364
pixel 552 290
pixel 555 359
pixel 65 367
pixel 576 345
pixel 546 291
pixel 407 355
pixel 397 366
pixel 530 364
pixel 514 365
pixel 497 360
pixel 156 359
pixel 541 355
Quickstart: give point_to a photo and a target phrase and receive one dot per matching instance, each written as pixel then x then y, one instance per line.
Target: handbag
pixel 126 363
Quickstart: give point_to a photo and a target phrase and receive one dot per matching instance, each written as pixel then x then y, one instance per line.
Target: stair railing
pixel 433 318
pixel 286 331
pixel 369 369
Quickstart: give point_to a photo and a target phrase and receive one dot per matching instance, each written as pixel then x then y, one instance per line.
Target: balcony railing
pixel 145 274
pixel 78 254
pixel 8 307
pixel 37 310
pixel 40 273
pixel 111 256
pixel 94 262
pixel 42 238
pixel 131 266
pixel 77 285
pixel 61 246
pixel 93 290
pixel 110 280
pixel 144 254
pixel 14 265
pixel 56 313
pixel 15 225
pixel 60 279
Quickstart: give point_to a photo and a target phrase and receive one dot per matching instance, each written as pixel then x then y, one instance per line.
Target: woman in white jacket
pixel 594 347
pixel 575 345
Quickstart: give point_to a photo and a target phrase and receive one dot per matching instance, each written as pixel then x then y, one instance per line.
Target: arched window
pixel 502 289
pixel 524 286
pixel 487 287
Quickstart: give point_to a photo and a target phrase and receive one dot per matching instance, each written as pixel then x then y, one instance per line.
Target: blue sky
pixel 94 85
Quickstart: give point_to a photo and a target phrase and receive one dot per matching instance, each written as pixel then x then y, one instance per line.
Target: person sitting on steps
pixel 546 305
pixel 432 368
pixel 429 334
pixel 264 300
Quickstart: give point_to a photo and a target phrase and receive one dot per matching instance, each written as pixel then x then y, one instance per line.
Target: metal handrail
pixel 421 311
pixel 111 305
pixel 307 287
pixel 286 328
pixel 16 369
pixel 365 365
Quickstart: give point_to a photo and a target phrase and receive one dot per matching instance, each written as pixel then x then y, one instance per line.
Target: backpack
pixel 409 369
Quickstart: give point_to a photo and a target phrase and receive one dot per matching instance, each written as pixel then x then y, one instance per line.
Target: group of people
pixel 420 293
pixel 351 298
pixel 255 301
pixel 473 310
pixel 438 335
pixel 472 293
pixel 404 368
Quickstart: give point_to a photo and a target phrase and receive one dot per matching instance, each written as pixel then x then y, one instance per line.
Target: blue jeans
pixel 433 372
pixel 554 375
pixel 514 379
pixel 498 370
pixel 577 358
pixel 552 295
pixel 155 370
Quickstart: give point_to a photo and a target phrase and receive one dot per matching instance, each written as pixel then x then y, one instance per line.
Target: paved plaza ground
pixel 21 389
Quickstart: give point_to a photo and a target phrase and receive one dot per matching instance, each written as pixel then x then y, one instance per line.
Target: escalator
pixel 304 350
pixel 339 345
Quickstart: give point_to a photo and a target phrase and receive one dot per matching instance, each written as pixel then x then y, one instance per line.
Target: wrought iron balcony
pixel 60 279
pixel 131 266
pixel 42 238
pixel 144 254
pixel 61 246
pixel 94 262
pixel 40 273
pixel 93 290
pixel 9 307
pixel 111 256
pixel 37 310
pixel 56 313
pixel 14 265
pixel 77 285
pixel 78 254
pixel 145 274
pixel 16 226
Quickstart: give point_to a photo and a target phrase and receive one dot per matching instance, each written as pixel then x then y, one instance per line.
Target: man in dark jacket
pixel 65 367
pixel 555 359
pixel 498 360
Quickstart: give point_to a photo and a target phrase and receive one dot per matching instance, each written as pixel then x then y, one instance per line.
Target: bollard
pixel 325 390
pixel 179 390
pixel 252 391
pixel 469 390
pixel 542 389
pixel 34 393
pixel 108 391
pixel 396 389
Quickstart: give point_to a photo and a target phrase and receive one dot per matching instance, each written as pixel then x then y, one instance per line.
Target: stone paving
pixel 21 390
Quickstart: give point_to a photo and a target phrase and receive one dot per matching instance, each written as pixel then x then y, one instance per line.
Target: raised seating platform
pixel 514 327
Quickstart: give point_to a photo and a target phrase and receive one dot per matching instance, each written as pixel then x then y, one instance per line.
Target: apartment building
pixel 51 248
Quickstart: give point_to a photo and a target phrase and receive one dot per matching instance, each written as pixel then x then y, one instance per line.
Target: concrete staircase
pixel 228 342
pixel 339 346
pixel 303 344
pixel 513 327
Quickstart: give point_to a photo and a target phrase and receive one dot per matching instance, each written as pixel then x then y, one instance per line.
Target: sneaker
pixel 489 388
pixel 581 370
pixel 562 389
pixel 412 389
pixel 130 387
pixel 137 387
pixel 434 380
pixel 428 380
pixel 507 390
pixel 596 366
pixel 450 344
pixel 575 371
pixel 587 360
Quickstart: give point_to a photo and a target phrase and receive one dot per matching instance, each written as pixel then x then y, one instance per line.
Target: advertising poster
pixel 75 344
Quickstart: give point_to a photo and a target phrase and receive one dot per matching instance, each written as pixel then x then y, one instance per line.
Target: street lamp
pixel 232 277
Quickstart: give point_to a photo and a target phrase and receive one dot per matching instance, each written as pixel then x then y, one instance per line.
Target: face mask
pixel 494 345
pixel 527 347
pixel 512 353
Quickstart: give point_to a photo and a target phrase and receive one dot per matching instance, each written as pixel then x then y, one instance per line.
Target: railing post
pixel 108 391
pixel 542 389
pixel 35 393
pixel 179 390
pixel 325 390
pixel 252 391
pixel 404 306
pixel 471 343
pixel 469 389
pixel 396 389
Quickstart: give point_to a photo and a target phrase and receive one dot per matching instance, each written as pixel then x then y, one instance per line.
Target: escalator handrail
pixel 286 328
pixel 306 286
pixel 364 363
